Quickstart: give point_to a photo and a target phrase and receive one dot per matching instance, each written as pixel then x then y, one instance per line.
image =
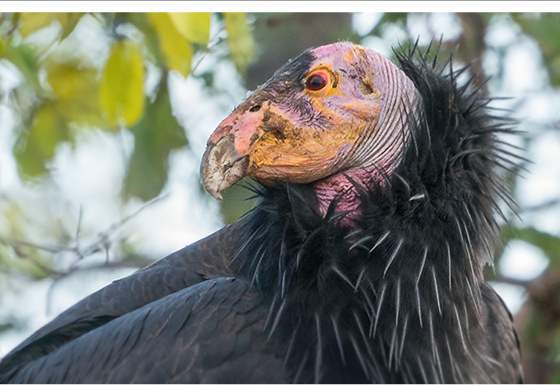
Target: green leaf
pixel 237 200
pixel 555 378
pixel 154 137
pixel 1 47
pixel 69 22
pixel 48 128
pixel 545 29
pixel 121 95
pixel 25 59
pixel 193 26
pixel 389 18
pixel 549 244
pixel 176 50
pixel 7 326
pixel 240 40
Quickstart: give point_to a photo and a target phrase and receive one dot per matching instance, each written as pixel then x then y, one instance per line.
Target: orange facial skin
pixel 288 131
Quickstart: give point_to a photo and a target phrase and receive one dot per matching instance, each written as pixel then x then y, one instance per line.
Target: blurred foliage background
pixel 145 90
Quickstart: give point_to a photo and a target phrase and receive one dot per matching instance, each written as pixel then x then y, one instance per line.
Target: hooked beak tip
pixel 216 195
pixel 222 166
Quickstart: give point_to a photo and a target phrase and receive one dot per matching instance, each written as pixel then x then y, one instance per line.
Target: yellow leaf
pixel 240 39
pixel 121 93
pixel 33 21
pixel 69 82
pixel 82 111
pixel 176 50
pixel 47 130
pixel 78 94
pixel 194 26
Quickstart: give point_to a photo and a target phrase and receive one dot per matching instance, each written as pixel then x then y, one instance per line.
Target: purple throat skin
pixel 339 186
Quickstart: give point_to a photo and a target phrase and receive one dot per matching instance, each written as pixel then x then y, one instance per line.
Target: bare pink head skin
pixel 289 130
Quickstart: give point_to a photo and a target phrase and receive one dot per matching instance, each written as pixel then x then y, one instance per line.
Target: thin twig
pixel 103 243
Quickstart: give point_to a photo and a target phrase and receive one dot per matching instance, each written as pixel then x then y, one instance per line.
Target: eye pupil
pixel 317 81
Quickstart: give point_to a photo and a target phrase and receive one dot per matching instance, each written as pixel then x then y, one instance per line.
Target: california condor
pixel 362 261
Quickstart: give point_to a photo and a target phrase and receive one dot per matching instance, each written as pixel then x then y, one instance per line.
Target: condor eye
pixel 317 81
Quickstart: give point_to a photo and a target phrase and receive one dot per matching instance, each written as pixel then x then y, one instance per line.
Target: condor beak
pixel 227 156
pixel 261 140
pixel 222 166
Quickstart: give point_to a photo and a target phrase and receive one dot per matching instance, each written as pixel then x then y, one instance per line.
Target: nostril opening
pixel 255 108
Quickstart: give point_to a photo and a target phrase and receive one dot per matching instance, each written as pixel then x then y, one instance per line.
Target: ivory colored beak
pixel 222 166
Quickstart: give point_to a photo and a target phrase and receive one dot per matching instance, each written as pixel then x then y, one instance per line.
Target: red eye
pixel 317 81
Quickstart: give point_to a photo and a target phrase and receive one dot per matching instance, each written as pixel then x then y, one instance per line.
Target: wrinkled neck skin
pixel 382 156
pixel 379 151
